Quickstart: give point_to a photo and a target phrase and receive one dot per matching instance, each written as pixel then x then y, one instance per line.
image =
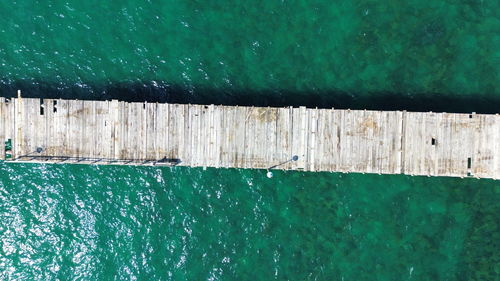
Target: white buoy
pixel 269 174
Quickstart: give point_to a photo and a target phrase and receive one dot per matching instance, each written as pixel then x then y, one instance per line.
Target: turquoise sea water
pixel 62 222
pixel 127 223
pixel 421 55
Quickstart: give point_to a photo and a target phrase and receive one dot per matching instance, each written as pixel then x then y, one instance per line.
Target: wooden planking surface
pixel 387 142
pixel 2 128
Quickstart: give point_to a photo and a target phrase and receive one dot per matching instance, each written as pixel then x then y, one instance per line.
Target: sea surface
pixel 76 222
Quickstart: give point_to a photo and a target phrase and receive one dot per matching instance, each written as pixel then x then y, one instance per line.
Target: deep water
pixel 63 222
pixel 414 55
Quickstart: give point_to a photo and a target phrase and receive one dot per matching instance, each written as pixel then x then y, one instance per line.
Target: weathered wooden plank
pixel 86 133
pixel 28 133
pixel 195 117
pixel 205 136
pixel 161 131
pixel 344 150
pixel 18 149
pixel 331 132
pixel 223 136
pixel 312 138
pixel 40 129
pixel 62 129
pixel 187 134
pixel 135 117
pixel 216 135
pixel 248 154
pixel 9 123
pixel 50 122
pixel 258 139
pixel 172 147
pixel 175 144
pixel 150 131
pixel 214 132
pixel 73 129
pixel 239 137
pixel 486 154
pixel 321 139
pixel 297 140
pixel 2 128
pixel 114 116
pixel 133 134
pixel 143 137
pixel 282 145
pixel 121 146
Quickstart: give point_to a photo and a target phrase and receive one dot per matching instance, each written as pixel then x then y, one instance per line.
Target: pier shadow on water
pixel 167 93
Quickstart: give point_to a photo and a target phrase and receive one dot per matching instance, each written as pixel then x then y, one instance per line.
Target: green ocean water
pixel 126 223
pixel 423 55
pixel 62 222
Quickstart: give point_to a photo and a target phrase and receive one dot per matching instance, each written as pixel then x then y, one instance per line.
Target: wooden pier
pixel 385 142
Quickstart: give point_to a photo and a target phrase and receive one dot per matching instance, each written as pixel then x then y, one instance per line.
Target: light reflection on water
pixel 65 221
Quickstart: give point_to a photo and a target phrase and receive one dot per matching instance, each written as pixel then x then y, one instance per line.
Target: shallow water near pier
pixel 67 222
